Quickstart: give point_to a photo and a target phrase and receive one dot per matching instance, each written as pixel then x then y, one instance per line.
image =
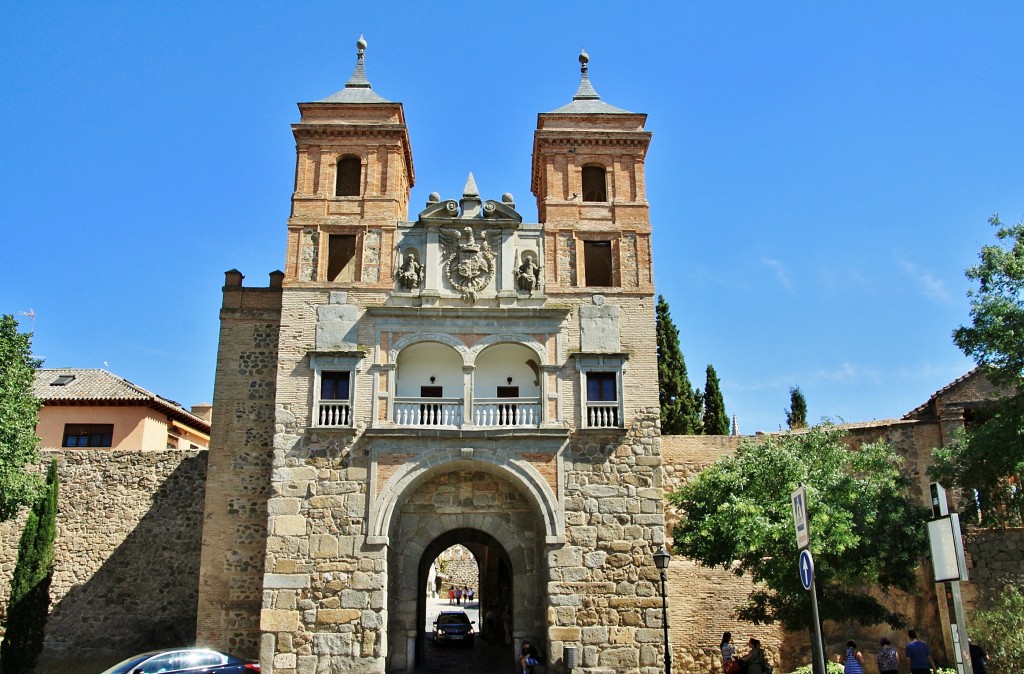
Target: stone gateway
pixel 462 378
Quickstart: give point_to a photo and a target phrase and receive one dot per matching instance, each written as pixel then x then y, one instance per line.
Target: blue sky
pixel 819 177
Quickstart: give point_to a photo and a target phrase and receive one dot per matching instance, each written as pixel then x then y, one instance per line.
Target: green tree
pixel 796 415
pixel 680 403
pixel 999 628
pixel 866 532
pixel 995 338
pixel 19 414
pixel 29 603
pixel 986 462
pixel 716 421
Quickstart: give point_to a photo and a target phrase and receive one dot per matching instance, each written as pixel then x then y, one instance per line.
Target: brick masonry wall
pixel 126 565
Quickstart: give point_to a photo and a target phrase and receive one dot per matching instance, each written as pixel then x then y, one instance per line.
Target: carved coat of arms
pixel 468 264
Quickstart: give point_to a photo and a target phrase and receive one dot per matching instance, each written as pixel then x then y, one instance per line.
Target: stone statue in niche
pixel 528 274
pixel 410 276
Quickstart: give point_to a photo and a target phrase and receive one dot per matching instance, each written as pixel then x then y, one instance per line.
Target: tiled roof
pixel 923 407
pixel 358 88
pixel 587 101
pixel 63 386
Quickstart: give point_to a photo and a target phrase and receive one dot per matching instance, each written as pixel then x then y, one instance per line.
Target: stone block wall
pixel 126 566
pixel 238 486
pixel 603 589
pixel 995 558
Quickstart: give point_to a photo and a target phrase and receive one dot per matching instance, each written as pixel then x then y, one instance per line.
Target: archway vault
pixel 502 464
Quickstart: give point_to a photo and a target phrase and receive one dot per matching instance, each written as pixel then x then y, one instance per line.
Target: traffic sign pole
pixel 805 567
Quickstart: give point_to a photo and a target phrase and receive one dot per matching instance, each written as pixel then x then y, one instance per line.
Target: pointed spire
pixel 471 204
pixel 358 79
pixel 470 190
pixel 586 91
pixel 587 100
pixel 357 89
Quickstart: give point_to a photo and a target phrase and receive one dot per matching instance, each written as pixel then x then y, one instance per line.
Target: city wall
pixel 126 555
pixel 127 560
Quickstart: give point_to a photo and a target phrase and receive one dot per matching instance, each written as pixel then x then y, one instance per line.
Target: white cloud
pixel 930 285
pixel 780 272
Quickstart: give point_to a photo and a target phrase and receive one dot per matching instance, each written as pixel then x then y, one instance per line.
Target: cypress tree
pixel 716 421
pixel 680 403
pixel 29 604
pixel 796 415
pixel 18 418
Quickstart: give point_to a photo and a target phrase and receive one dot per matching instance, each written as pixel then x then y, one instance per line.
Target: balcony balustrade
pixel 334 413
pixel 506 412
pixel 434 412
pixel 487 412
pixel 603 415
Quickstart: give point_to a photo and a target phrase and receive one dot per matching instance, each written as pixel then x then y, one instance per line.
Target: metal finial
pixel 358 79
pixel 584 59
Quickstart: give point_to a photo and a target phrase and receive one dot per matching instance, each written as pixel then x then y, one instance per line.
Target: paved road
pixel 485 656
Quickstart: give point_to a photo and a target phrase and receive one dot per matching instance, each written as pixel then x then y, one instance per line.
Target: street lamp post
pixel 661 560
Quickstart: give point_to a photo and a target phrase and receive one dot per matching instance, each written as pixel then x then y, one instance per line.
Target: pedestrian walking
pixel 920 657
pixel 978 658
pixel 852 660
pixel 887 657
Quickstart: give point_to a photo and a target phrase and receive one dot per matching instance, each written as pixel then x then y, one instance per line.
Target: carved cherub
pixel 528 275
pixel 411 274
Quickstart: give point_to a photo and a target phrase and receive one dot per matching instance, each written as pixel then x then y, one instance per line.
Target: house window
pixel 347 181
pixel 508 391
pixel 63 380
pixel 597 263
pixel 431 392
pixel 341 258
pixel 594 186
pixel 334 379
pixel 88 435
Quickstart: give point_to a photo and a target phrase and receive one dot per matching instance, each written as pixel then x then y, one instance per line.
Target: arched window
pixel 347 181
pixel 594 188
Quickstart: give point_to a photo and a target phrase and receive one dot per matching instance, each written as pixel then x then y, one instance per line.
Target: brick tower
pixel 463 377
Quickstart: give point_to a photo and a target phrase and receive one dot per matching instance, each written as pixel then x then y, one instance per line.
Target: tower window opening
pixel 594 185
pixel 347 181
pixel 597 263
pixel 341 258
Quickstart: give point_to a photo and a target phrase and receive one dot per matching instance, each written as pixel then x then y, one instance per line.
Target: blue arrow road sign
pixel 806 568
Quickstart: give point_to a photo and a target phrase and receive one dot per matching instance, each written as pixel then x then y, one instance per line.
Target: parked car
pixel 184 660
pixel 454 627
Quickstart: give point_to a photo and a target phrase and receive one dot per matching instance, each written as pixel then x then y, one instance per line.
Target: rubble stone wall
pixel 126 554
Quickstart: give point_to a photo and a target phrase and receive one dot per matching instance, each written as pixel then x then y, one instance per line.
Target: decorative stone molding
pixel 499 463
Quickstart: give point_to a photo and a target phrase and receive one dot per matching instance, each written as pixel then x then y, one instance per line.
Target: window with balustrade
pixel 333 384
pixel 601 390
